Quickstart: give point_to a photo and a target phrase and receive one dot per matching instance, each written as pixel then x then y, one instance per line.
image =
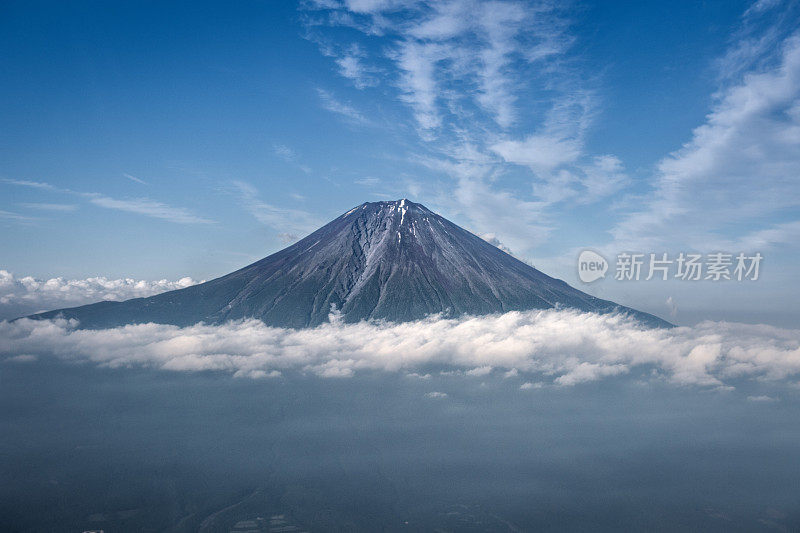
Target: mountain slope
pixel 382 260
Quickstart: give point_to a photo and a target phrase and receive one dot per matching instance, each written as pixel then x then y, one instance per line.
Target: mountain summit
pixel 397 261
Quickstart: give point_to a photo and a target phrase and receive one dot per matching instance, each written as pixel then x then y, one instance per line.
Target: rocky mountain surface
pixel 396 261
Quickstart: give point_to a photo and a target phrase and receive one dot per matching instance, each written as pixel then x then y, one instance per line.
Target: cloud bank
pixel 556 347
pixel 25 295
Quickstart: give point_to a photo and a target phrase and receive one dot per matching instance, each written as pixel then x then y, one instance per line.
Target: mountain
pixel 397 261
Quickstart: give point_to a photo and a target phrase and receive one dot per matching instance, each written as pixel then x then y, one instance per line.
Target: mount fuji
pixel 396 261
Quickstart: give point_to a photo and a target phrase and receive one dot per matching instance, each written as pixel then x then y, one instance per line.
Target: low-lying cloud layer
pixel 26 295
pixel 561 347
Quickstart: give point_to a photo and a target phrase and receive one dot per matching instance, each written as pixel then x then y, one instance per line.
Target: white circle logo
pixel 591 266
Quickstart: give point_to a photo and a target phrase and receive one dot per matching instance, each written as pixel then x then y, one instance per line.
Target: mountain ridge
pixel 391 260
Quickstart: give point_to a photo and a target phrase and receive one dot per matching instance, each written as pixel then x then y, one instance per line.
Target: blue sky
pixel 154 141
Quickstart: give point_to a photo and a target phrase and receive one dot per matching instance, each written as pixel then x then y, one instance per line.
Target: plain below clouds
pixel 561 347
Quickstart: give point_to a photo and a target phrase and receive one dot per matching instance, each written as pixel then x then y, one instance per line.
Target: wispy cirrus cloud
pixel 348 112
pixel 140 206
pixel 32 184
pixel 64 208
pixel 135 179
pixel 367 181
pixel 760 6
pixel 149 208
pixel 289 155
pixel 284 152
pixel 351 65
pixel 460 68
pixel 517 221
pixel 746 156
pixel 291 223
pixel 479 44
pixel 15 217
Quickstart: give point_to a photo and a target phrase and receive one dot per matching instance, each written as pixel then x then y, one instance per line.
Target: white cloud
pixel 323 4
pixel 16 217
pixel 290 156
pixel 479 45
pixel 463 67
pixel 284 152
pixel 460 68
pixel 542 153
pixel 521 223
pixel 140 206
pixel 492 239
pixel 257 374
pixel 149 208
pixel 134 178
pixel 565 348
pixel 585 371
pixel 25 295
pixel 24 358
pixel 761 6
pixel 476 43
pixel 559 170
pixel 746 156
pixel 673 307
pixel 368 181
pixel 556 157
pixel 63 208
pixel 31 184
pixel 602 178
pixel 499 24
pixel 377 6
pixel 418 83
pixel 761 399
pixel 287 238
pixel 347 111
pixel 436 394
pixel 290 222
pixel 351 65
pixel 479 371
